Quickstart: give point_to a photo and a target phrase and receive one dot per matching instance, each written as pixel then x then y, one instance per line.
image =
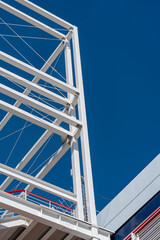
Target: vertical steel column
pixel 74 145
pixel 84 132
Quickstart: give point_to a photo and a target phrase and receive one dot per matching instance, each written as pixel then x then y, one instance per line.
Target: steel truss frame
pixel 77 127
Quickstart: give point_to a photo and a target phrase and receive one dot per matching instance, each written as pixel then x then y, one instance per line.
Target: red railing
pixel 42 198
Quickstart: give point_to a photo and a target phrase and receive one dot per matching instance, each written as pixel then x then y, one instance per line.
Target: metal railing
pixel 39 200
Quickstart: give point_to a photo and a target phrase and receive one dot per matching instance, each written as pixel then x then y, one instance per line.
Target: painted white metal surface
pixel 8 171
pixel 36 120
pixel 138 192
pixel 40 106
pixel 27 230
pixel 52 162
pixel 84 134
pixel 14 222
pixel 49 234
pixel 74 93
pixel 69 237
pixel 31 20
pixel 52 218
pixel 45 67
pixel 74 145
pixel 45 13
pixel 59 153
pixel 38 73
pixel 35 87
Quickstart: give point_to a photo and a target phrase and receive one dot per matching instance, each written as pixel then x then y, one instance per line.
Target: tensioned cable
pixel 51 75
pixel 20 136
pixel 48 140
pixel 47 160
pixel 109 199
pixel 31 63
pixel 36 160
pixel 35 170
pixel 41 38
pixel 15 49
pixel 31 108
pixel 31 26
pixel 15 143
pixel 34 110
pixel 40 150
pixel 60 109
pixel 37 54
pixel 32 94
pixel 30 47
pixel 26 60
pixel 51 87
pixel 37 97
pixel 42 147
pixel 14 132
pixel 17 131
pixel 17 140
pixel 23 56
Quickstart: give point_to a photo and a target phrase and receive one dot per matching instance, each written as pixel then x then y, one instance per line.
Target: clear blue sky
pixel 120 52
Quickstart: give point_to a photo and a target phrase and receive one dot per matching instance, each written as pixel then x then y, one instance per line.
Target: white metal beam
pixel 27 230
pixel 59 153
pixel 52 162
pixel 69 237
pixel 45 13
pixel 31 20
pixel 33 86
pixel 51 217
pixel 48 234
pixel 74 145
pixel 15 221
pixel 34 71
pixel 8 234
pixel 84 133
pixel 40 106
pixel 34 119
pixel 44 68
pixel 38 183
pixel 43 172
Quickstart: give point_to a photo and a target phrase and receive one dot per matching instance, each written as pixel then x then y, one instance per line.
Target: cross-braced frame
pixel 56 113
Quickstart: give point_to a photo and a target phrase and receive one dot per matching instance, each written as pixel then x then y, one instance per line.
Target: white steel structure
pixel 69 123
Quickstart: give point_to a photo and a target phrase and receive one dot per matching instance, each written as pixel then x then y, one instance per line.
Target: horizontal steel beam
pixel 33 151
pixel 34 119
pixel 34 87
pixel 48 234
pixel 45 13
pixel 34 71
pixel 16 221
pixel 38 183
pixel 31 20
pixel 24 234
pixel 40 106
pixel 44 68
pixel 52 218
